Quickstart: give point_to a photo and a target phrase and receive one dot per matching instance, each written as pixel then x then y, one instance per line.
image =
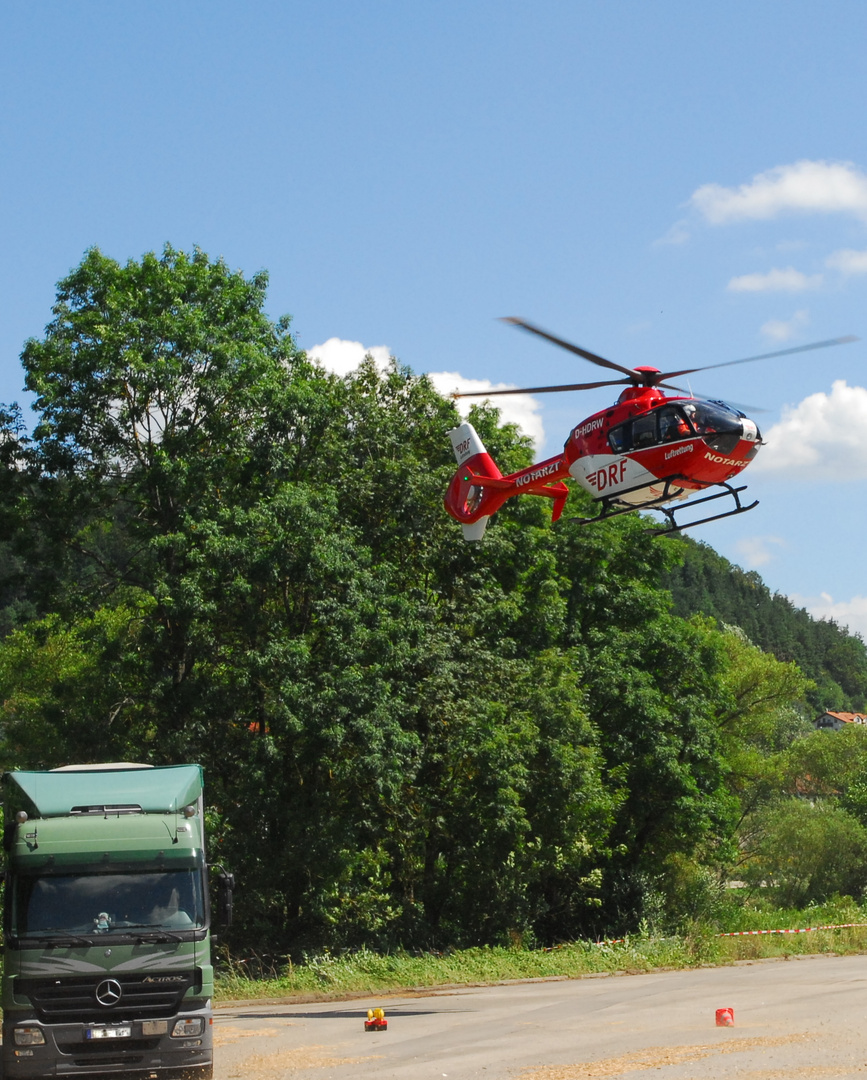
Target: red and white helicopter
pixel 645 451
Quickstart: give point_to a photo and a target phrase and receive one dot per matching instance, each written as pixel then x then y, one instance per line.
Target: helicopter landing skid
pixel 673 526
pixel 669 493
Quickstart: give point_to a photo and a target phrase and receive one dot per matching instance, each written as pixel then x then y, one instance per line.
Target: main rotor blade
pixel 592 357
pixel 765 356
pixel 543 389
pixel 745 409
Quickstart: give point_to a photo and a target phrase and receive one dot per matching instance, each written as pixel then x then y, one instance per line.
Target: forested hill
pixel 833 658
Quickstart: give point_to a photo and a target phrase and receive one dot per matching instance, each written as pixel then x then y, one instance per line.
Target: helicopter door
pixel 673 424
pixel 667 424
pixel 644 432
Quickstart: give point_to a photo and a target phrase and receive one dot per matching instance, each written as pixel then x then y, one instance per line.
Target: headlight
pixel 183 1029
pixel 29 1036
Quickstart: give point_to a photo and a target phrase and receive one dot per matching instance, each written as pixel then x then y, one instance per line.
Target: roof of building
pixel 848 717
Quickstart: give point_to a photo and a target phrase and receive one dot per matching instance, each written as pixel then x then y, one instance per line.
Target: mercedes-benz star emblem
pixel 109 992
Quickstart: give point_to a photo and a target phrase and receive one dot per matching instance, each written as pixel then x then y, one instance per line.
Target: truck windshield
pixel 108 903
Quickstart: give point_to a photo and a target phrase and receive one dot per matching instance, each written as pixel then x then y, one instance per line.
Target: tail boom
pixel 478 489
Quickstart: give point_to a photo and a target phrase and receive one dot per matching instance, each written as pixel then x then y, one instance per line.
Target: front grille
pixel 69 1001
pixel 108 1047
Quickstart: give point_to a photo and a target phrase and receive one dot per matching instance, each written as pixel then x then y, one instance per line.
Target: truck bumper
pixel 72 1049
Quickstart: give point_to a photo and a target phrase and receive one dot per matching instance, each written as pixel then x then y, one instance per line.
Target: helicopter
pixel 645 452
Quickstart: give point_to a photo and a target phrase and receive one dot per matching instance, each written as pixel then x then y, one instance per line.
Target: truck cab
pixel 107 923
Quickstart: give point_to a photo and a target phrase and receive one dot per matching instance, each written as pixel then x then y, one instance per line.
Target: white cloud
pixel 758 550
pixel 851 613
pixel 780 330
pixel 822 438
pixel 520 409
pixel 677 234
pixel 848 261
pixel 341 357
pixel 822 187
pixel 788 280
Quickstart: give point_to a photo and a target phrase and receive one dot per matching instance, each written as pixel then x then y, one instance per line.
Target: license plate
pixel 109 1033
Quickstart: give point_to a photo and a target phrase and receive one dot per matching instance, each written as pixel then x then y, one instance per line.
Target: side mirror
pixel 225 888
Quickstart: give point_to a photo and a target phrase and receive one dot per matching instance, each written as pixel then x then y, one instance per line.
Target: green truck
pixel 107 923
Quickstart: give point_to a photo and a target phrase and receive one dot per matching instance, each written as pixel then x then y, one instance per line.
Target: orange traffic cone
pixel 725 1018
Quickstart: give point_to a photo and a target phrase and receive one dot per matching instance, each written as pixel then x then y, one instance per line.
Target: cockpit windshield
pixel 674 421
pixel 711 418
pixel 105 904
pixel 719 426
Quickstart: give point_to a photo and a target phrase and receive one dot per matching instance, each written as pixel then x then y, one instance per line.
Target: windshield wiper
pixel 63 938
pixel 159 932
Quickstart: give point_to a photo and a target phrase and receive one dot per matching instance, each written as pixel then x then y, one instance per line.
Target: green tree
pixel 68 692
pixel 236 558
pixel 305 622
pixel 824 764
pixel 155 386
pixel 655 693
pixel 764 713
pixel 808 852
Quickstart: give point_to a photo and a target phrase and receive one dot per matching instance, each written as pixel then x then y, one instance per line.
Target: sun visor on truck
pixel 162 790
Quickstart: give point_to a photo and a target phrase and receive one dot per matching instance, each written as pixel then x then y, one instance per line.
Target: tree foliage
pixel 807 851
pixel 215 551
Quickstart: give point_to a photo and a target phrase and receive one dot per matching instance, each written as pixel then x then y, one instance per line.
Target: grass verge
pixel 361 972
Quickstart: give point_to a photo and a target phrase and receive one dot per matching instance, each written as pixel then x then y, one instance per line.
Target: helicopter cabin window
pixel 643 431
pixel 673 424
pixel 618 439
pixel 663 425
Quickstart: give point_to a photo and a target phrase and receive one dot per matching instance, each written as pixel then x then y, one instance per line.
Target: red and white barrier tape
pixel 804 930
pixel 731 933
pixel 571 945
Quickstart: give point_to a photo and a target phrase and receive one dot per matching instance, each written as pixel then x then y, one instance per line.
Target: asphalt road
pixel 802 1018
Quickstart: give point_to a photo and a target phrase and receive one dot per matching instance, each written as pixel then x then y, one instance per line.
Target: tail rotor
pixel 469 500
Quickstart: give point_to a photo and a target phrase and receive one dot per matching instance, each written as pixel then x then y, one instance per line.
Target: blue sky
pixel 670 183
